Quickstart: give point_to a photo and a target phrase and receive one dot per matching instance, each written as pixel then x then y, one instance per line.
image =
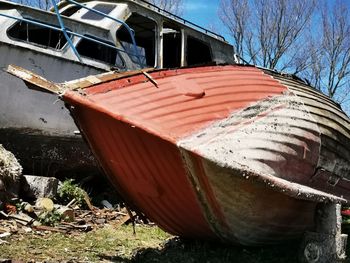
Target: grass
pixel 103 244
pixel 150 244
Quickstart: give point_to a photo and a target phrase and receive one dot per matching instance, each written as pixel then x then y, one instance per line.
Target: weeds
pixel 50 218
pixel 69 191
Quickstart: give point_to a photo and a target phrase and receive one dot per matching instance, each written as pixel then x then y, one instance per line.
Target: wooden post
pixel 327 243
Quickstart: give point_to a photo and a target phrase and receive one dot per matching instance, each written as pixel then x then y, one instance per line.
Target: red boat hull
pixel 224 152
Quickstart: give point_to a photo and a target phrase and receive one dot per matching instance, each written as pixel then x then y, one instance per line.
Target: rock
pixel 10 174
pixel 66 213
pixel 106 204
pixel 100 221
pixel 38 186
pixel 45 204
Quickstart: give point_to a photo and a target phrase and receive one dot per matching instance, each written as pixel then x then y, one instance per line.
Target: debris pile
pixel 34 204
pixel 20 217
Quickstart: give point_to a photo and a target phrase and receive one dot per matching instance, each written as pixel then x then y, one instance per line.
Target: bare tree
pixel 305 37
pixel 266 32
pixel 329 52
pixel 336 48
pixel 173 6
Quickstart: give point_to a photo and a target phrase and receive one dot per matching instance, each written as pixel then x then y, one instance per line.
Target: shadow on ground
pixel 178 250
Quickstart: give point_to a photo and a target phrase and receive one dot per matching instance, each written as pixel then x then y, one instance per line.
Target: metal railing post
pixel 64 31
pixel 130 31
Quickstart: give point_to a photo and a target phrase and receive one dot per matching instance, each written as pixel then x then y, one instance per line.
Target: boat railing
pixel 66 32
pixel 184 21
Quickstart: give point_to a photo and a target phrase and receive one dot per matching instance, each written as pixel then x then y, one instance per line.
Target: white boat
pixel 34 125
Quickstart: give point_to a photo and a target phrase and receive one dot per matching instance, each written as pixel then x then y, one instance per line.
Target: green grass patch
pixel 149 245
pixel 102 244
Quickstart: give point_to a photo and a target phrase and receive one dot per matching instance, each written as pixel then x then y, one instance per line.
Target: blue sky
pixel 203 13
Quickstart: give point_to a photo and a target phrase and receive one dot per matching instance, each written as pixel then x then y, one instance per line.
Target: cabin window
pixel 35 34
pixel 197 52
pixel 70 10
pixel 171 46
pixel 104 8
pixel 144 29
pixel 99 52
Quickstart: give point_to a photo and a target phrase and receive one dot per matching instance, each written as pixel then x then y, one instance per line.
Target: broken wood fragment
pixel 4 230
pixel 22 218
pixel 87 201
pixel 71 202
pixel 101 78
pixel 122 221
pixel 66 213
pixel 58 88
pixel 152 80
pixel 35 79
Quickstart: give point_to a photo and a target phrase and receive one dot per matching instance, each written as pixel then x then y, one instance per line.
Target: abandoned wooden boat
pixel 231 152
pixel 36 126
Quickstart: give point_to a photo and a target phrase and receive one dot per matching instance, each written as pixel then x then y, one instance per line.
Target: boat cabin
pixel 119 34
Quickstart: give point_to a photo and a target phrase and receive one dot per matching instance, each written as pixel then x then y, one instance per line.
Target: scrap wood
pixel 125 218
pixel 22 218
pixel 73 201
pixel 4 230
pixel 33 78
pixel 121 213
pixel 153 81
pixel 88 81
pixel 87 201
pixel 122 221
pixel 85 214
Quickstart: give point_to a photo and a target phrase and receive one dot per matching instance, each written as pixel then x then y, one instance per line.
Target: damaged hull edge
pixel 247 161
